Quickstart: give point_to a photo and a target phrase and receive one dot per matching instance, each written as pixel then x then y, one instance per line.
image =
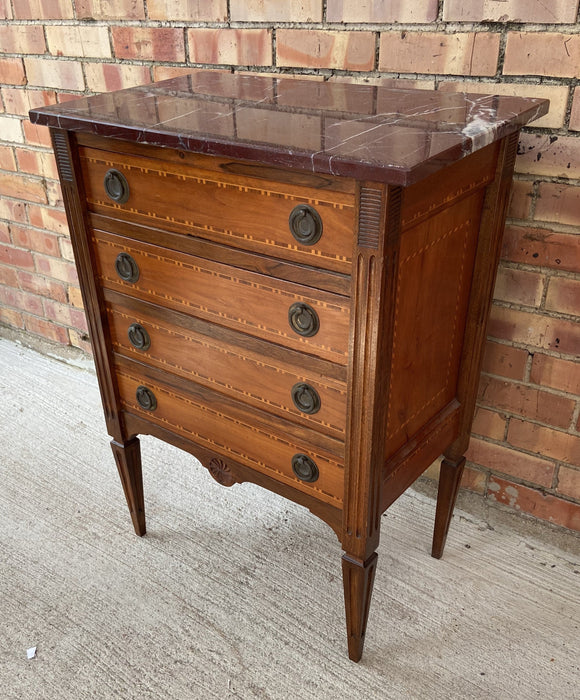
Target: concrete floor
pixel 236 593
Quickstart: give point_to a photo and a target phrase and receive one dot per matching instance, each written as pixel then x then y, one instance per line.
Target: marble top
pixel 386 134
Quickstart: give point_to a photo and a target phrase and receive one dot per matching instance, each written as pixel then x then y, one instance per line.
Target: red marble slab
pixel 386 134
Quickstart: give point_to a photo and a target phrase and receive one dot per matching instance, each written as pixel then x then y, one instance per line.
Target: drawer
pixel 283 382
pixel 302 224
pixel 207 421
pixel 245 301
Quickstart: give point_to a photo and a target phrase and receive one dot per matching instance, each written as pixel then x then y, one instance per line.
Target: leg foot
pixel 449 480
pixel 358 578
pixel 128 459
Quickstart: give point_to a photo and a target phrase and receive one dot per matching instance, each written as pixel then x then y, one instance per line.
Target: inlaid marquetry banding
pixel 214 379
pixel 181 301
pixel 220 183
pixel 62 156
pixel 442 203
pixel 369 219
pixel 289 245
pixel 225 448
pixel 464 228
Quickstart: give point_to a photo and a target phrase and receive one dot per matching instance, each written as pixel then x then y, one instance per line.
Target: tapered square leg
pixel 358 578
pixel 449 480
pixel 128 459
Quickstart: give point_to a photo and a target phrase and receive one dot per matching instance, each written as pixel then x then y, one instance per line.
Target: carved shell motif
pixel 221 472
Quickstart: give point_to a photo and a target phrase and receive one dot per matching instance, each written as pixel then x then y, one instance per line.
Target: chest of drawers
pixel 291 281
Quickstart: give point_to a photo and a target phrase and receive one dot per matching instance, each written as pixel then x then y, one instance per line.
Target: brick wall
pixel 525 452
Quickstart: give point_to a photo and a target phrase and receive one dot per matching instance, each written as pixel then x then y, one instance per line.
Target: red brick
pixel 80 340
pixel 507 461
pixel 551 156
pixel 505 360
pixel 66 249
pixel 575 113
pixel 488 424
pixel 325 49
pixel 55 268
pixel 64 315
pixel 36 135
pixel 21 100
pixel 542 53
pixel 11 210
pixel 106 77
pixel 538 246
pixel 561 11
pixel 43 9
pixel 535 329
pixel 519 286
pixel 521 199
pixel 526 401
pixel 556 373
pixel 66 96
pixel 564 296
pixel 78 41
pixel 149 43
pixel 36 162
pixel 75 298
pixel 12 71
pixel 48 72
pixel 9 276
pixel 435 52
pixel 276 10
pixel 11 318
pixel 383 11
pixel 110 9
pixel 559 203
pixel 48 218
pixel 245 47
pixel 22 187
pixel 474 480
pixel 7 160
pixel 31 282
pixel 4 232
pixel 5 9
pixel 16 257
pixel 54 193
pixel 40 326
pixel 545 441
pixel 191 10
pixel 11 129
pixel 166 72
pixel 22 38
pixel 23 301
pixel 33 239
pixel 569 482
pixel 527 500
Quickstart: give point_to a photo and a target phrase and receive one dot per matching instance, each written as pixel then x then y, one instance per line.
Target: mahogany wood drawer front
pixel 290 385
pixel 293 456
pixel 293 315
pixel 306 225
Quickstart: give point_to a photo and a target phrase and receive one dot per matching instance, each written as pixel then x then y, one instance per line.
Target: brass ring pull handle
pixel 116 186
pixel 305 468
pixel 305 224
pixel 306 398
pixel 146 398
pixel 138 337
pixel 127 268
pixel 303 319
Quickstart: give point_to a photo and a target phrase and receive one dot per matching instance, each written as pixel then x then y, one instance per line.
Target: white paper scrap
pixel 31 653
